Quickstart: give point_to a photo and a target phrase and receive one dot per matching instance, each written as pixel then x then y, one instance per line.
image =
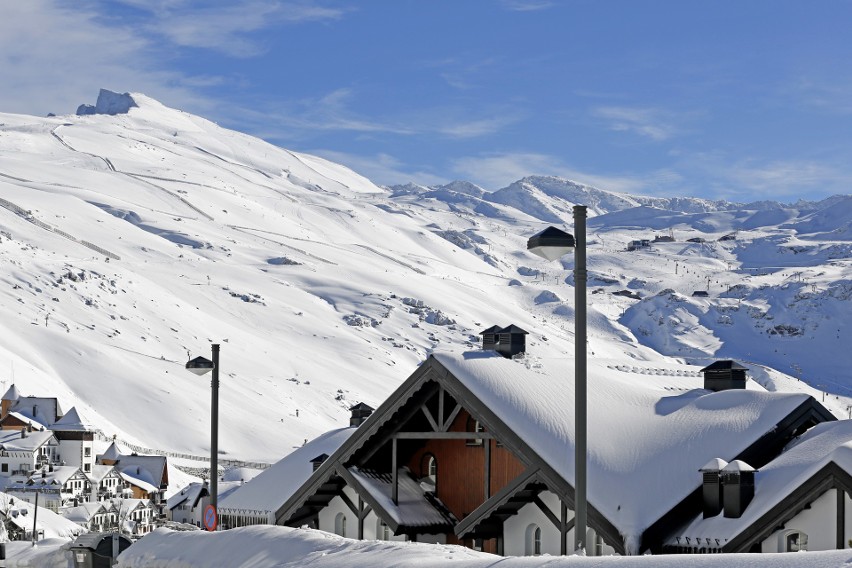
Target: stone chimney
pixel 711 474
pixel 738 488
pixel 318 461
pixel 724 375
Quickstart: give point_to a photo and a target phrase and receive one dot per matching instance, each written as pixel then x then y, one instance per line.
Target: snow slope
pixel 130 241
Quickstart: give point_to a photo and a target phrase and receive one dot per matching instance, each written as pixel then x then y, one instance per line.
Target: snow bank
pixel 279 547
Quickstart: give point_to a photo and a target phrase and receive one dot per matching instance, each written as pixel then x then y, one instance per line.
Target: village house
pixel 57 487
pixel 93 516
pixel 25 450
pixel 187 506
pixel 477 449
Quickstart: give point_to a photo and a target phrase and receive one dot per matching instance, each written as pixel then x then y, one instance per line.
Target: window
pixel 474 426
pixel 340 524
pixel 4 468
pixel 432 469
pixel 87 452
pixel 795 541
pixel 533 541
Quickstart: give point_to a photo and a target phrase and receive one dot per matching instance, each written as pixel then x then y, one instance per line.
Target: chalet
pixel 93 516
pixel 42 410
pixel 147 477
pixel 136 517
pixel 477 449
pixel 106 483
pixel 57 487
pixel 25 450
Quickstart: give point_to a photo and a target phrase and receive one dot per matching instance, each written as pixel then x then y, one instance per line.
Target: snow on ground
pixel 128 242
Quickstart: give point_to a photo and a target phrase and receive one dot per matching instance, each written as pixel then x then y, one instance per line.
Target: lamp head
pixel 551 243
pixel 199 365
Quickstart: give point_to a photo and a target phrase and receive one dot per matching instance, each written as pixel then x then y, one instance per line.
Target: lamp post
pixel 201 366
pixel 551 244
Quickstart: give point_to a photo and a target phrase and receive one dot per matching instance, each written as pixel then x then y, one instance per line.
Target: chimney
pixel 489 338
pixel 24 432
pixel 724 375
pixel 360 412
pixel 738 488
pixel 507 341
pixel 318 461
pixel 511 341
pixel 711 474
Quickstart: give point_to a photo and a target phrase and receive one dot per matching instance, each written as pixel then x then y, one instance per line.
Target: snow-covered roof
pixel 716 464
pixel 43 410
pixel 83 512
pixel 413 508
pixel 647 430
pixel 189 494
pixel 151 469
pixel 113 452
pixel 53 525
pixel 738 466
pixel 73 422
pixel 11 393
pixel 271 489
pixel 11 440
pixel 822 444
pixel 140 477
pixel 59 476
pixel 99 472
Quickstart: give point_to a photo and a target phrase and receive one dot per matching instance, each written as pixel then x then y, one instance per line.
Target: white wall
pixel 335 506
pixel 818 522
pixel 515 528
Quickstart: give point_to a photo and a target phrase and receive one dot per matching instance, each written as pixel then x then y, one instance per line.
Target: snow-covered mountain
pixel 133 235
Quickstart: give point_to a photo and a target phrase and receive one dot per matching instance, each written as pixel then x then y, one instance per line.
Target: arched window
pixel 473 425
pixel 429 468
pixel 794 541
pixel 533 540
pixel 382 530
pixel 340 524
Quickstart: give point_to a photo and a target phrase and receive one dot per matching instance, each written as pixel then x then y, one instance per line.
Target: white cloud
pixel 225 27
pixel 499 170
pixel 526 5
pixel 56 56
pixel 382 169
pixel 648 122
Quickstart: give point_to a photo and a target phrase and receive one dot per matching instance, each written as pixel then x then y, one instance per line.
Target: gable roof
pixel 651 428
pixel 149 469
pixel 72 422
pixel 824 451
pixel 11 440
pixel 276 484
pixel 44 410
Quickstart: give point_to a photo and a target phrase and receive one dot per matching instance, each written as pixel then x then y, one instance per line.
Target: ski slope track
pixel 131 241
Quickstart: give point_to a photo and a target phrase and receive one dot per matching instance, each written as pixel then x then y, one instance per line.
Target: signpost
pixel 211 518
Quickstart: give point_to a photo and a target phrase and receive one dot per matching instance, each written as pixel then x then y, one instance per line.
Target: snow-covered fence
pixel 178 455
pixel 28 216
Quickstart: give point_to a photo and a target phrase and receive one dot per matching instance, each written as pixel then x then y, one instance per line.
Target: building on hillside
pixel 147 477
pixel 664 238
pixel 25 450
pixel 477 449
pixel 136 517
pixel 76 440
pixel 57 487
pixel 93 516
pixel 106 483
pixel 638 244
pixel 43 410
pixel 187 506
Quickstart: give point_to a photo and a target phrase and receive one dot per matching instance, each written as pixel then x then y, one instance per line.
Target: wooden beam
pixel 431 420
pixel 441 392
pixel 487 445
pixel 451 418
pixel 394 474
pixel 443 436
pixel 563 530
pixel 348 502
pixel 841 518
pixel 360 518
pixel 547 512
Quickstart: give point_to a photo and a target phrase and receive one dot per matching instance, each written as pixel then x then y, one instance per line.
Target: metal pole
pixel 214 431
pixel 580 368
pixel 35 518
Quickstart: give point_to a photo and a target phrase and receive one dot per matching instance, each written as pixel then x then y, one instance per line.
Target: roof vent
pixel 724 375
pixel 711 474
pixel 507 341
pixel 319 460
pixel 737 488
pixel 360 412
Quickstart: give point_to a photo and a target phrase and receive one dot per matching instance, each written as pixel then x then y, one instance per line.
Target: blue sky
pixel 739 100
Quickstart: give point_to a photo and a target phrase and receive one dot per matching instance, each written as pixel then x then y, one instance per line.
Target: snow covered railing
pixel 27 215
pixel 178 455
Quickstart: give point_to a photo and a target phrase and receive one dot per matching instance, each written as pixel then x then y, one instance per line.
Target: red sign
pixel 211 518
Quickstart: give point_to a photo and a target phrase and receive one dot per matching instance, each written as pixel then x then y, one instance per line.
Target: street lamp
pixel 551 244
pixel 201 366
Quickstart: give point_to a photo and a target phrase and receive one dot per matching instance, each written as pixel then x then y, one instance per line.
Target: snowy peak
pixel 109 103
